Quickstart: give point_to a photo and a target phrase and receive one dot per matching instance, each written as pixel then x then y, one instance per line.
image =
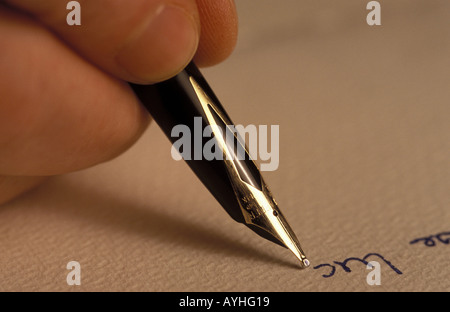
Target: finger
pixel 11 187
pixel 143 40
pixel 219 31
pixel 139 40
pixel 58 113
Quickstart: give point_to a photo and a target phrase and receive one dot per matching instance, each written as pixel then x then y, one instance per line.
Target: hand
pixel 64 102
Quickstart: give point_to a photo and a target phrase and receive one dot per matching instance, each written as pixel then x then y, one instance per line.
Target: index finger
pixel 143 41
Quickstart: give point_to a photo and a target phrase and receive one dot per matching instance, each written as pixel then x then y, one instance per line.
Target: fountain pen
pixel 234 181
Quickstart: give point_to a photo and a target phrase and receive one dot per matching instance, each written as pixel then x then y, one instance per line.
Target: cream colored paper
pixel 364 115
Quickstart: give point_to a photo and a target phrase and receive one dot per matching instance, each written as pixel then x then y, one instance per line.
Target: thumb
pixel 142 41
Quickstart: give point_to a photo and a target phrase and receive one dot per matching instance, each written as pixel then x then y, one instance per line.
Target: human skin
pixel 65 102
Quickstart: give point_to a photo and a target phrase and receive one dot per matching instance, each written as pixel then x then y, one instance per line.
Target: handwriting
pixel 429 241
pixel 345 267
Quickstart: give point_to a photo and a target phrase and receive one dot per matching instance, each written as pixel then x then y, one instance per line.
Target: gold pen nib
pixel 262 215
pixel 281 228
pixel 272 225
pixel 259 210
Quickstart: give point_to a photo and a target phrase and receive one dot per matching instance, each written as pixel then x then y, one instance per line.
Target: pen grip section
pixel 187 102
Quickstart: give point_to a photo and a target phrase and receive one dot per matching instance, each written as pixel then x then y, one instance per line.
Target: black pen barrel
pixel 214 150
pixel 175 102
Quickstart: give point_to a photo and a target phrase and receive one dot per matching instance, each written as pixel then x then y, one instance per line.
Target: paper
pixel 364 172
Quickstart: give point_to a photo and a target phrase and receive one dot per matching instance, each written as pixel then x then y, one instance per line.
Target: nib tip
pixel 306 263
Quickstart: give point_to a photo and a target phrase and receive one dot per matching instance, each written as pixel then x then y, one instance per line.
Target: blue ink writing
pixel 345 267
pixel 432 240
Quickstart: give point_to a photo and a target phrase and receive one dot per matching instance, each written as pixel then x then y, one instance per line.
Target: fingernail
pixel 162 48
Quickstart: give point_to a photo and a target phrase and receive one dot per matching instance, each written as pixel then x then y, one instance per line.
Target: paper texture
pixel 364 169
